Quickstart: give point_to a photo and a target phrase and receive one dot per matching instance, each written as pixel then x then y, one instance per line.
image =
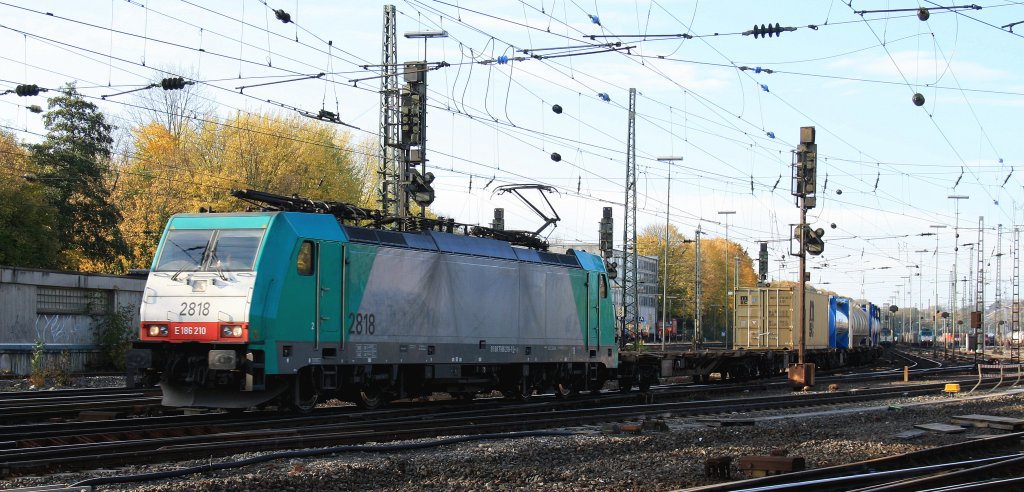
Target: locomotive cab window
pixel 602 287
pixel 202 250
pixel 304 262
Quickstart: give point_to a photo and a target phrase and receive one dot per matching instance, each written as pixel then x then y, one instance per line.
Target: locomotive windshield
pixel 200 250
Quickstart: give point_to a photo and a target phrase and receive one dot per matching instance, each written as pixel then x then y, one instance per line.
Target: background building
pixel 647 283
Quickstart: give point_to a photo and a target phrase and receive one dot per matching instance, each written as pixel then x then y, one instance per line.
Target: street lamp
pixel 728 329
pixel 956 238
pixel 668 212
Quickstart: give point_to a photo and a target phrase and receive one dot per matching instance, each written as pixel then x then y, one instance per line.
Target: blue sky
pixel 851 75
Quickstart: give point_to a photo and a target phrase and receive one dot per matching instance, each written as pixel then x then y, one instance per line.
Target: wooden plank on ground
pixel 1004 423
pixel 939 427
pixel 910 434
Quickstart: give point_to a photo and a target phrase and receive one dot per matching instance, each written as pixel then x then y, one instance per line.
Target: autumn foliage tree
pixel 191 168
pixel 28 235
pixel 715 253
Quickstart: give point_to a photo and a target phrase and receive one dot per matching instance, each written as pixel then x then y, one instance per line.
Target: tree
pixel 172 173
pixel 682 259
pixel 28 236
pixel 74 166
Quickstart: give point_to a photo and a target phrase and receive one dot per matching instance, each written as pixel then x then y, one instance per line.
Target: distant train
pixel 927 337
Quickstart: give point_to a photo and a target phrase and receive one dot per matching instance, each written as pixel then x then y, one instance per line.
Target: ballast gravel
pixel 590 460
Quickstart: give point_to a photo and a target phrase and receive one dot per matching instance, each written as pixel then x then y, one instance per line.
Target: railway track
pixel 988 463
pixel 76 446
pixel 24 406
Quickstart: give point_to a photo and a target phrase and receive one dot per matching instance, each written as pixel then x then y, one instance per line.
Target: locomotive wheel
pixel 565 389
pixel 369 398
pixel 305 398
pixel 463 395
pixel 524 389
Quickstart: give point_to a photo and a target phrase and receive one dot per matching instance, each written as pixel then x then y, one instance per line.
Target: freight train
pixel 306 300
pixel 245 309
pixel 839 331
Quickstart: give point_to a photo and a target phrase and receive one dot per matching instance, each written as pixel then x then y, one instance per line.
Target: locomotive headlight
pixel 231 331
pixel 158 330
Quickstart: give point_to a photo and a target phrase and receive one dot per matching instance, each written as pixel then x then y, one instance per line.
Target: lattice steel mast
pixel 979 293
pixel 388 169
pixel 1015 308
pixel 630 301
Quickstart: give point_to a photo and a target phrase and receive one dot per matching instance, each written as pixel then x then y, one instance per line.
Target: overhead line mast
pixel 630 308
pixel 388 170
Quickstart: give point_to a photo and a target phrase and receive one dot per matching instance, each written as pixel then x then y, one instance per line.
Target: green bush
pixel 114 334
pixel 37 375
pixel 60 370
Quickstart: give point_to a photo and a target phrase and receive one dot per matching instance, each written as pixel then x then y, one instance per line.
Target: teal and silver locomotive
pixel 287 307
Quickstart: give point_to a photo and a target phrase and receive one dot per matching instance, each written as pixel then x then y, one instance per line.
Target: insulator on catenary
pixel 173 83
pixel 768 31
pixel 764 87
pixel 918 99
pixel 923 14
pixel 557 109
pixel 604 96
pixel 26 90
pixel 770 134
pixel 555 156
pixel 283 16
pixel 35 108
pixel 503 59
pixel 595 19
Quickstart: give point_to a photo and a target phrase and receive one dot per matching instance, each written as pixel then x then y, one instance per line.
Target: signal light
pixel 419 187
pixel 811 239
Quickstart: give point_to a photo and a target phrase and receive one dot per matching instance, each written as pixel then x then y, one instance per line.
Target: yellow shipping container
pixel 767 317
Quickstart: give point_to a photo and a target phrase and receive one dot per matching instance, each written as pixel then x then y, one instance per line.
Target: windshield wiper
pixel 188 253
pixel 215 262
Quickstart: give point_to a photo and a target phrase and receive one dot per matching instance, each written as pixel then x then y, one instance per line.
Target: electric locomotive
pixel 289 307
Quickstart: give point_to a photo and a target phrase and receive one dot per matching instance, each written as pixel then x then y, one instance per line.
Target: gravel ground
pixel 591 460
pixel 22 384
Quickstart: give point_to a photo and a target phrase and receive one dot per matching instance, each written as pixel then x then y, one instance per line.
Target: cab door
pixel 594 313
pixel 329 293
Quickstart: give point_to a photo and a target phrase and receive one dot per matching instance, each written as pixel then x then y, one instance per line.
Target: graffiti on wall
pixel 62 328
